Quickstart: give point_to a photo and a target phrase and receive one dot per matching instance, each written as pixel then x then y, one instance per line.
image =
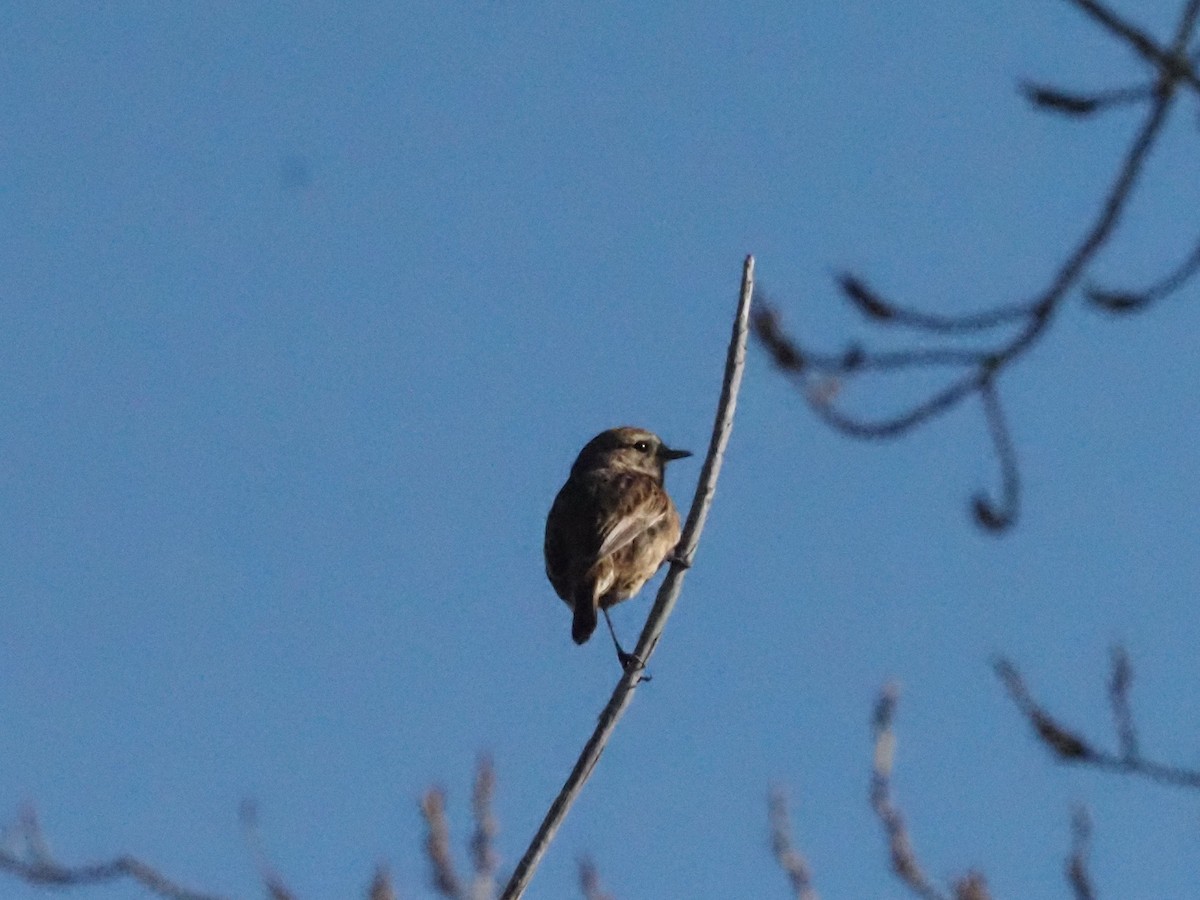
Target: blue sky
pixel 304 314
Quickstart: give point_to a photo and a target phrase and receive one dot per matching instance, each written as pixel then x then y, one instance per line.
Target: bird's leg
pixel 629 661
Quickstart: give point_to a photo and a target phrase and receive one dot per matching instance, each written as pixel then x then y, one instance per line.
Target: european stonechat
pixel 611 526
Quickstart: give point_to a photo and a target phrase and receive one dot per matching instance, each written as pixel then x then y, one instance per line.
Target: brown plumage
pixel 612 524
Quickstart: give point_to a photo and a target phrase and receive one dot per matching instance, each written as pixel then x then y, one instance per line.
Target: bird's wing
pixel 639 506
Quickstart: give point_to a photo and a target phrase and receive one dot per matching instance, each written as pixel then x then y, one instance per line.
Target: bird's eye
pixel 642 446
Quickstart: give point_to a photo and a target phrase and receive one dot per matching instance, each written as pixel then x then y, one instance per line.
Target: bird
pixel 611 526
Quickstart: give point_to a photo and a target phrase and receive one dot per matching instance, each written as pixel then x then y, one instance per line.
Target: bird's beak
pixel 669 454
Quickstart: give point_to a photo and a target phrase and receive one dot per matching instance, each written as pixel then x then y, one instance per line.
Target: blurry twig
pixel 437 845
pixel 1081 839
pixel 1068 746
pixel 664 603
pixel 31 861
pixel 971 886
pixel 1008 331
pixel 483 840
pixel 589 881
pixel 270 876
pixel 789 858
pixel 484 859
pixel 904 859
pixel 381 886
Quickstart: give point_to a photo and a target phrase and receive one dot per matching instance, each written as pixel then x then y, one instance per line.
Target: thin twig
pixel 904 858
pixel 589 881
pixel 663 605
pixel 1054 99
pixel 1134 301
pixel 791 860
pixel 1119 684
pixel 988 514
pixel 270 876
pixel 981 367
pixel 437 846
pixel 1081 841
pixel 37 866
pixel 1172 64
pixel 972 886
pixel 1069 747
pixel 381 885
pixel 483 840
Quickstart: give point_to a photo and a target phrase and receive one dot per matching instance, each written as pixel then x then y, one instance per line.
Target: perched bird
pixel 611 526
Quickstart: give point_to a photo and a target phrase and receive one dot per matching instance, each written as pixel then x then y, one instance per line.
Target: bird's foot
pixel 631 662
pixel 676 558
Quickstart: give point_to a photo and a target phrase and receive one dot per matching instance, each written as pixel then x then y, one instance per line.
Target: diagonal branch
pixel 663 605
pixel 1172 63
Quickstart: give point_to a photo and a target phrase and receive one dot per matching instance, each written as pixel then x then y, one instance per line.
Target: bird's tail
pixel 584 622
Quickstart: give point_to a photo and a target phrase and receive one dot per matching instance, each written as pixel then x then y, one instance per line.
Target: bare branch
pixel 33 863
pixel 437 846
pixel 664 603
pixel 381 886
pixel 1119 684
pixel 907 868
pixel 1081 839
pixel 820 376
pixel 875 307
pixel 1135 301
pixel 1080 105
pixel 988 514
pixel 1067 746
pixel 589 881
pixel 793 863
pixel 972 886
pixel 904 859
pixel 270 876
pixel 483 840
pixel 1171 64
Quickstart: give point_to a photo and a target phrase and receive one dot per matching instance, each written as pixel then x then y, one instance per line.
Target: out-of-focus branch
pixel 664 603
pixel 381 886
pixel 484 858
pixel 791 860
pixel 972 886
pixel 1076 867
pixel 1068 746
pixel 589 881
pixel 483 840
pixel 33 863
pixel 1007 331
pixel 271 879
pixel 1126 301
pixel 1173 63
pixel 443 876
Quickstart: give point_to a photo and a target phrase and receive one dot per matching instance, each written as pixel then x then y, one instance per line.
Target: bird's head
pixel 627 450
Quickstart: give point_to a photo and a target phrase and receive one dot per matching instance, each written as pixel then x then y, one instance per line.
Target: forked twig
pixel 1007 331
pixel 1069 746
pixel 664 603
pixel 35 865
pixel 972 886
